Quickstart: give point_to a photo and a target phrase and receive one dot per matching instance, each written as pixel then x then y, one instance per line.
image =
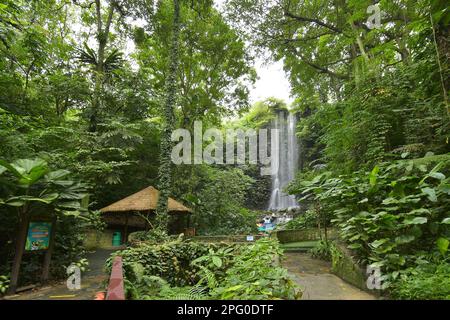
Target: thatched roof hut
pixel 145 201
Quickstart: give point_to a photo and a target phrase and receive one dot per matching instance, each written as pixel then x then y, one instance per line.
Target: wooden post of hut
pixel 125 231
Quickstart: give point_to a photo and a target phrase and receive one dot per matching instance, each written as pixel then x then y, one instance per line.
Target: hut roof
pixel 144 200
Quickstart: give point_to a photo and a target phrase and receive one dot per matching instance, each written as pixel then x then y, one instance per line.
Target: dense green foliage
pixel 253 274
pixel 29 189
pixel 429 281
pixel 303 221
pixel 394 217
pixel 220 202
pixel 190 270
pixel 170 260
pixel 322 250
pixel 92 90
pixel 74 95
pixel 368 96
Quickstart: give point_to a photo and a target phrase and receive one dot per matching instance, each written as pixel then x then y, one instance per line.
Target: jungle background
pixel 94 88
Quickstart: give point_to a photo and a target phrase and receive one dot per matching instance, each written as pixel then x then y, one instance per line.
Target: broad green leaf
pixel 70 204
pixel 57 174
pixel 27 165
pixel 410 166
pixel 445 188
pixel 404 239
pixel 416 220
pixel 15 203
pixel 217 261
pixel 442 245
pixel 446 221
pixel 373 176
pixel 34 175
pixel 419 211
pixel 423 168
pixel 50 197
pixel 7 165
pixel 431 193
pixel 437 175
pixel 378 243
pixel 435 169
pixel 199 259
pixel 234 288
pixel 378 264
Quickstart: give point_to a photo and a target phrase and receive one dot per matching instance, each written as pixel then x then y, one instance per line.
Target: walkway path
pixel 315 278
pixel 92 281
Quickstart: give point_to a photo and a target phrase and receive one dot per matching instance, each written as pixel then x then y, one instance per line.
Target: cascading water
pixel 287 161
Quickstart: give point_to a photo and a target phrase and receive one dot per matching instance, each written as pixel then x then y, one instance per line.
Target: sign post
pixel 38 237
pixel 48 253
pixel 34 236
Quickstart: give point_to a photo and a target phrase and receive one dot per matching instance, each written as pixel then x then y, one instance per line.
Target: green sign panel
pixel 38 236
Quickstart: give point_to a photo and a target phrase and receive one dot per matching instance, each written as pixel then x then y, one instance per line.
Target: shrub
pixel 254 274
pixel 429 281
pixel 322 251
pixel 303 221
pixel 4 284
pixel 388 216
pixel 189 270
pixel 153 236
pixel 169 260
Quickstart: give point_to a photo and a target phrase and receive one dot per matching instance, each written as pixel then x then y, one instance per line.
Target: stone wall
pixel 99 239
pixel 345 266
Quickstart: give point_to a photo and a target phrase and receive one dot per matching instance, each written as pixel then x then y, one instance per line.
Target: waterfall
pixel 287 161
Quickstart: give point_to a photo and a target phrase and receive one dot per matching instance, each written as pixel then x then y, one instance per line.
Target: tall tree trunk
pixel 441 36
pixel 102 37
pixel 165 183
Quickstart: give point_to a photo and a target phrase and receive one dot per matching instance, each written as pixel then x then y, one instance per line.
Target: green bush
pixel 388 216
pixel 218 200
pixel 254 274
pixel 429 281
pixel 321 251
pixel 169 260
pixel 304 221
pixel 189 270
pixel 4 284
pixel 29 188
pixel 153 236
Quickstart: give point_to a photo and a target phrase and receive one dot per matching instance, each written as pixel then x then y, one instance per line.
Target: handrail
pixel 116 287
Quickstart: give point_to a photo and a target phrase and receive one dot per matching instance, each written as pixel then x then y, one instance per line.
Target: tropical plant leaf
pixel 416 220
pixel 12 169
pixel 217 261
pixel 431 193
pixel 442 245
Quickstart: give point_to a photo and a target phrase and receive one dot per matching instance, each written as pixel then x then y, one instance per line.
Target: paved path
pixel 92 281
pixel 315 278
